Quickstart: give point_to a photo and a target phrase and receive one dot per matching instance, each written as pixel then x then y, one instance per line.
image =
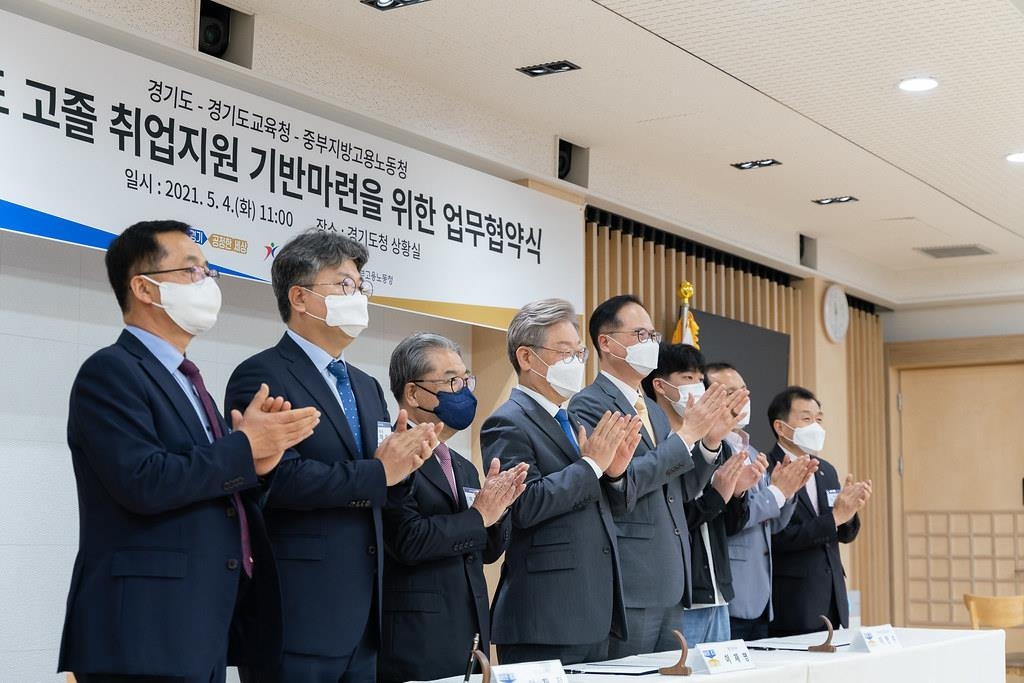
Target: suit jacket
pixel 808 572
pixel 156 578
pixel 750 549
pixel 652 529
pixel 560 582
pixel 721 517
pixel 323 504
pixel 435 593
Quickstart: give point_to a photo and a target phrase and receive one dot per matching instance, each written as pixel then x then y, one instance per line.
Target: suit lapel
pixel 309 377
pixel 168 385
pixel 546 422
pixel 624 407
pixel 433 473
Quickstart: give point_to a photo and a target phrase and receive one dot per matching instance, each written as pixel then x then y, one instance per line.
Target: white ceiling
pixel 673 91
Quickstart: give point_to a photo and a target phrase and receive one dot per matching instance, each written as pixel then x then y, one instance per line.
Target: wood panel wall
pixel 869 459
pixel 621 263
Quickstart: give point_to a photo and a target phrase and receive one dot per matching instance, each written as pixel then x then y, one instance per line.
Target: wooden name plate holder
pixel 679 668
pixel 827 646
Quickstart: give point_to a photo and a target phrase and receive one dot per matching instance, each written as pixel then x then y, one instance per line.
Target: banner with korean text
pixel 95 138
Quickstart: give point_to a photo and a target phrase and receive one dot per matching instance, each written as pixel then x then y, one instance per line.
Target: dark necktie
pixel 189 369
pixel 348 401
pixel 444 458
pixel 563 419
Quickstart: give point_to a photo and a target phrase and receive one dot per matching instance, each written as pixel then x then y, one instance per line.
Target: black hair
pixel 672 358
pixel 606 317
pixel 134 251
pixel 782 404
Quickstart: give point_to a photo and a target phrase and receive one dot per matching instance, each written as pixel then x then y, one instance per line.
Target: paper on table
pixel 637 665
pixel 841 638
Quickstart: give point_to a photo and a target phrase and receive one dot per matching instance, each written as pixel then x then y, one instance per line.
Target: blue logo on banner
pixel 198 236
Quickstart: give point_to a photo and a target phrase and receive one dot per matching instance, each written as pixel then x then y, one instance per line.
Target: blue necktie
pixel 348 401
pixel 563 419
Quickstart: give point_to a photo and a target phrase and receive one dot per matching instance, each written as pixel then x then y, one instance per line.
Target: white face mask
pixel 192 307
pixel 642 357
pixel 350 313
pixel 810 438
pixel 685 391
pixel 744 421
pixel 565 378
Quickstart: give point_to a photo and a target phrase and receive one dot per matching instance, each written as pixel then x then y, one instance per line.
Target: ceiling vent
pixel 955 251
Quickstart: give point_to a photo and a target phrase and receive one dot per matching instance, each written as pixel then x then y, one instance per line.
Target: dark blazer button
pixel 230 512
pixel 606 550
pixel 675 531
pixel 469 558
pixel 671 499
pixel 232 564
pixel 372 550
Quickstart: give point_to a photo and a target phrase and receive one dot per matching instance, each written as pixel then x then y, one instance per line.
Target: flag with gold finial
pixel 687 330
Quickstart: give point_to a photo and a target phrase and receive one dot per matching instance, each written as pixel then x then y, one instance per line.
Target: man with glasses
pixel 652 530
pixel 172 552
pixel 323 505
pixel 559 596
pixel 444 528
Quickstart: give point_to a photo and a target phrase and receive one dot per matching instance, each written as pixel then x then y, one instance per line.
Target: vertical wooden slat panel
pixel 722 307
pixel 652 296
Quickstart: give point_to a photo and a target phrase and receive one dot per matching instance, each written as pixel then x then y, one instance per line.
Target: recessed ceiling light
pixel 561 66
pixel 918 84
pixel 759 163
pixel 390 4
pixel 841 199
pixel 1015 158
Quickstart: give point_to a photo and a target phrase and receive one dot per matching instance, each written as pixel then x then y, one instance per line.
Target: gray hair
pixel 309 252
pixel 410 360
pixel 530 325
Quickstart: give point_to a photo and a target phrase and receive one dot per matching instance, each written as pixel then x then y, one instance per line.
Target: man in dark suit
pixel 559 595
pixel 171 546
pixel 442 528
pixel 323 506
pixel 652 529
pixel 808 579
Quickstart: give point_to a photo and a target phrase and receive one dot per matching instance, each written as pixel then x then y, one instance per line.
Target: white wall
pixel 56 308
pixel 950 322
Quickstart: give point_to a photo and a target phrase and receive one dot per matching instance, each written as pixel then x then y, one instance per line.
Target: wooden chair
pixel 1001 612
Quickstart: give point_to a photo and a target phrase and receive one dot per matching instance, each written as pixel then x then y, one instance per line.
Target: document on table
pixel 841 638
pixel 637 665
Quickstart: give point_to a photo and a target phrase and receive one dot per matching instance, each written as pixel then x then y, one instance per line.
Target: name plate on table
pixel 719 658
pixel 530 672
pixel 876 639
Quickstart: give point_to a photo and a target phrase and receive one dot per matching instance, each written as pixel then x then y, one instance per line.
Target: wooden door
pixel 962 447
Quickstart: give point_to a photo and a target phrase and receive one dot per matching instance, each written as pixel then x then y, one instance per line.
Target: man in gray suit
pixel 771 503
pixel 559 595
pixel 652 530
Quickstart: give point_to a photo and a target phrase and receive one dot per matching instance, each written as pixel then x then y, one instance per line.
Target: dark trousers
pixel 568 654
pixel 650 630
pixel 359 666
pixel 750 629
pixel 216 676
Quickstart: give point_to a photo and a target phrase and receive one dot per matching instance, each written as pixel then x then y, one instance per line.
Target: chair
pixel 1001 612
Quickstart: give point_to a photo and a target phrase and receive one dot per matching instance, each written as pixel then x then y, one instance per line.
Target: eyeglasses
pixel 569 356
pixel 641 335
pixel 197 273
pixel 456 383
pixel 348 286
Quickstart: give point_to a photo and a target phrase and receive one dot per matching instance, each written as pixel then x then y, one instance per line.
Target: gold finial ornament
pixel 685 292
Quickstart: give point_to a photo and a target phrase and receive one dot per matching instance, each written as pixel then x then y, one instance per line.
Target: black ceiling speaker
pixel 214 28
pixel 564 158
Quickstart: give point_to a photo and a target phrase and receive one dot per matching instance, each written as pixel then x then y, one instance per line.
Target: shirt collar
pixel 164 351
pixel 544 402
pixel 321 359
pixel 629 392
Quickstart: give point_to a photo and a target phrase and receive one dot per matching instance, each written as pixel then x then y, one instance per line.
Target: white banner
pixel 94 138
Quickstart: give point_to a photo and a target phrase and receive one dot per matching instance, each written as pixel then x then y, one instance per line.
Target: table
pixel 928 656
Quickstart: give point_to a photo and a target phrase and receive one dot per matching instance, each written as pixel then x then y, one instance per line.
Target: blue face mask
pixel 455 409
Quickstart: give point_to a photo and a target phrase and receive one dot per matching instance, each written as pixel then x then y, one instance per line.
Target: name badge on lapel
pixel 470 495
pixel 832 495
pixel 383 431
